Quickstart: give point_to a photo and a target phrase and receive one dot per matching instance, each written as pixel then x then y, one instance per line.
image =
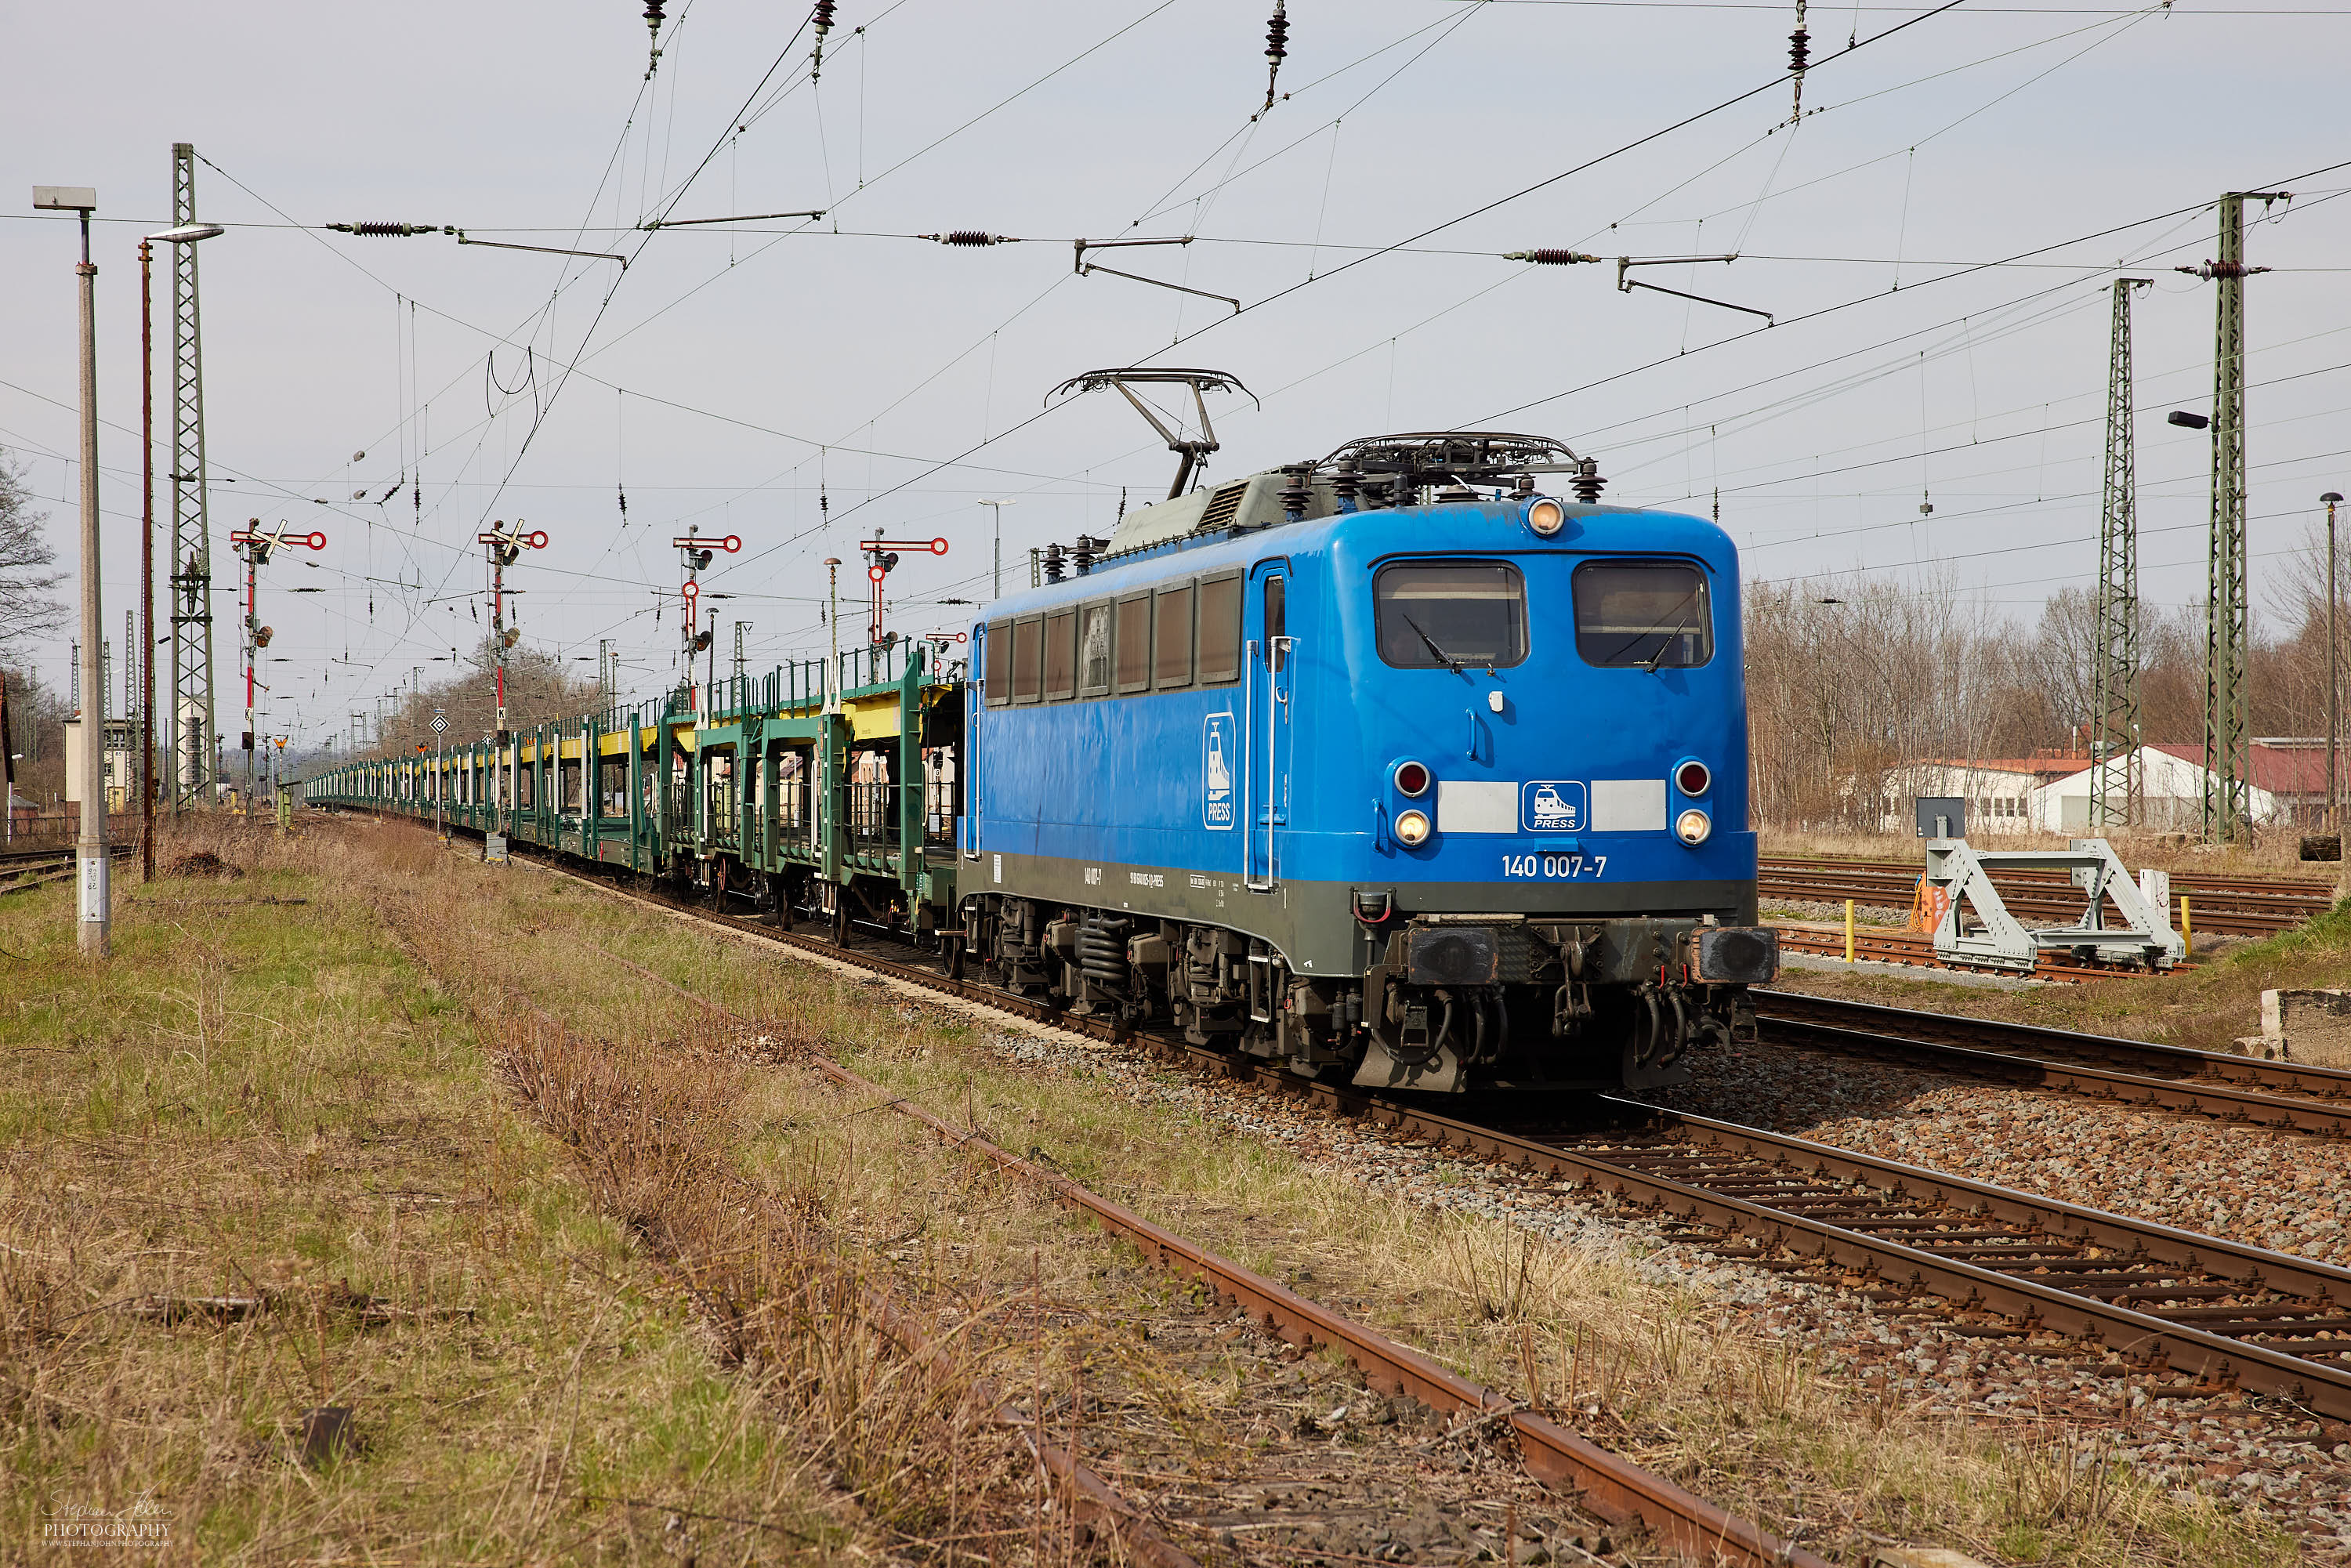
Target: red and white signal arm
pixel 690 589
pixel 731 544
pixel 536 539
pixel 939 546
pixel 945 637
pixel 316 540
pixel 876 572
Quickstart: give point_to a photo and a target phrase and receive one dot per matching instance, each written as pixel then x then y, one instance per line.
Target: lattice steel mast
pixel 2117 786
pixel 2226 764
pixel 189 771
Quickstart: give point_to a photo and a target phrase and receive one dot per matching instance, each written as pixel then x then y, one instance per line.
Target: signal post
pixel 255 548
pixel 505 547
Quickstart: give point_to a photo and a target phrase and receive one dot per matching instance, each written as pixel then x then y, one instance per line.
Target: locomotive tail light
pixel 1412 829
pixel 1410 778
pixel 1692 827
pixel 1692 778
pixel 1546 516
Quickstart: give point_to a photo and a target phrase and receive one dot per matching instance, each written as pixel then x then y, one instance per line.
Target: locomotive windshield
pixel 1643 614
pixel 1451 614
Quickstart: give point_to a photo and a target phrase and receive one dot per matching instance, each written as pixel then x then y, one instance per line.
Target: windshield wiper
pixel 1689 602
pixel 1451 663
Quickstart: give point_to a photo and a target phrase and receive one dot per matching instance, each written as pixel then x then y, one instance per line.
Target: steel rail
pixel 1886 947
pixel 1610 1486
pixel 1941 1234
pixel 2135 1259
pixel 2263 1082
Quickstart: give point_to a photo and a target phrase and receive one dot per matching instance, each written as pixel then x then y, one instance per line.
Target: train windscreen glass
pixel 1451 614
pixel 1645 615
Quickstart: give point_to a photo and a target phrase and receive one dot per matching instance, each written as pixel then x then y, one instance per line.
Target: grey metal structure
pixel 188 771
pixel 1976 928
pixel 2226 763
pixel 2117 787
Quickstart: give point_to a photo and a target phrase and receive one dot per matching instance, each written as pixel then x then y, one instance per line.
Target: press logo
pixel 143 1521
pixel 1219 757
pixel 1552 806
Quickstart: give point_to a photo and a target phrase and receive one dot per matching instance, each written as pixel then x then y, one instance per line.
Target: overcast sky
pixel 735 374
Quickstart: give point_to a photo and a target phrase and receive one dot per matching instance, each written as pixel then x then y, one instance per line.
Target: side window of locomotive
pixel 1433 615
pixel 1643 614
pixel 1220 630
pixel 1171 652
pixel 1093 650
pixel 1061 654
pixel 1028 643
pixel 1277 608
pixel 997 670
pixel 1133 634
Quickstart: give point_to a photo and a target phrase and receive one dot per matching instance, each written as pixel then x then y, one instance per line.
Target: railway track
pixel 23 869
pixel 2288 1096
pixel 2232 906
pixel 1885 944
pixel 2211 1314
pixel 1605 1483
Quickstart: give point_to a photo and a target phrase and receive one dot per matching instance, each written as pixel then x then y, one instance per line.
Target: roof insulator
pixel 653 26
pixel 1548 257
pixel 1587 482
pixel 1277 49
pixel 1295 491
pixel 970 236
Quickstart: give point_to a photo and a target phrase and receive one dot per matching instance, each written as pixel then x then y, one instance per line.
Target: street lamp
pixel 187 233
pixel 95 911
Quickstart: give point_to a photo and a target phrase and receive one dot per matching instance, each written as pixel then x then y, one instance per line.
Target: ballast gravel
pixel 2280 1465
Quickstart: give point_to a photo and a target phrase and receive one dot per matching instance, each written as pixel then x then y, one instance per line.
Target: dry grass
pixel 265 1102
pixel 1663 1373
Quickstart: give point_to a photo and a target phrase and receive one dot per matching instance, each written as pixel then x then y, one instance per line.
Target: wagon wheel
pixel 954 957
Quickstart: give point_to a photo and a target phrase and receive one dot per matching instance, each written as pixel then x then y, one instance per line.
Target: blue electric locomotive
pixel 1388 765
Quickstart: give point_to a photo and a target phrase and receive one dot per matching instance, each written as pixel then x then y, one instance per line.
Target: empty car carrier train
pixel 1388 766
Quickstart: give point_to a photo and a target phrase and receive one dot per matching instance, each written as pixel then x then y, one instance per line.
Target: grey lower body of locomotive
pixel 1420 986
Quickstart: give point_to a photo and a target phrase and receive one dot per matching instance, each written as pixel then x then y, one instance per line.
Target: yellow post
pixel 1848 930
pixel 2186 930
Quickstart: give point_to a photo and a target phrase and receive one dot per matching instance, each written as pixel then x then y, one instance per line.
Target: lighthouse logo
pixel 1217 757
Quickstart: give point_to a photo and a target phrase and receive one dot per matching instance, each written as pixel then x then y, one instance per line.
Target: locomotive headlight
pixel 1412 829
pixel 1546 516
pixel 1692 827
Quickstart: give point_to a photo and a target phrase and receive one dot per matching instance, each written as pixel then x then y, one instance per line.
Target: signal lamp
pixel 261 636
pixel 1412 829
pixel 1411 779
pixel 1546 516
pixel 1692 827
pixel 701 641
pixel 1691 777
pixel 513 635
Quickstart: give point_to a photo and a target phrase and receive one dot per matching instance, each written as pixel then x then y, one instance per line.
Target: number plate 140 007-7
pixel 1553 867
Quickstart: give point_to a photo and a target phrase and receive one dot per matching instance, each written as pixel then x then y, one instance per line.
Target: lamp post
pixel 187 235
pixel 96 910
pixel 2333 687
pixel 997 509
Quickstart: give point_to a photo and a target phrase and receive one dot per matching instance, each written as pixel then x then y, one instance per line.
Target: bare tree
pixel 27 605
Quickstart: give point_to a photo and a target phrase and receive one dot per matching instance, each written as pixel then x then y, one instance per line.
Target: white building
pixel 2172 795
pixel 1999 791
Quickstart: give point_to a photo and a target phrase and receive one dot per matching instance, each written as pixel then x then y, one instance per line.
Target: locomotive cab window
pixel 1220 629
pixel 1645 615
pixel 1450 614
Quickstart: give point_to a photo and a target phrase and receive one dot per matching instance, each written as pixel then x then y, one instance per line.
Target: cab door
pixel 1268 722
